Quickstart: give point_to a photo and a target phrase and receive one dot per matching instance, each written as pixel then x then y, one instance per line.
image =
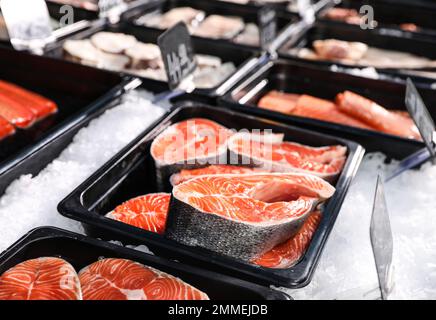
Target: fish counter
pixel 257 184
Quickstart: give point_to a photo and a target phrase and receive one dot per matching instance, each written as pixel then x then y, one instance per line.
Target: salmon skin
pixel 189 144
pixel 147 212
pixel 40 106
pixel 6 129
pixel 186 175
pixel 41 279
pixel 269 152
pixel 288 253
pixel 243 216
pixel 120 279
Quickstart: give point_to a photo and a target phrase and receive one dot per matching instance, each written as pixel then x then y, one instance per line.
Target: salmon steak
pixel 269 152
pixel 41 279
pixel 186 175
pixel 6 129
pixel 120 279
pixel 40 106
pixel 288 253
pixel 243 216
pixel 189 144
pixel 147 212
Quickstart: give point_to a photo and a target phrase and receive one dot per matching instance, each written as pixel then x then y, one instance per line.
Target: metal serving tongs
pixel 423 120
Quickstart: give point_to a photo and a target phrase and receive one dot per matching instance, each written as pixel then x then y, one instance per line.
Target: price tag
pixel 421 116
pixel 267 20
pixel 306 10
pixel 28 23
pixel 382 240
pixel 178 55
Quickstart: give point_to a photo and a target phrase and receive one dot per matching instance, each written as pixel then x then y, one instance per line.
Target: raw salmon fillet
pixel 243 216
pixel 41 279
pixel 189 144
pixel 269 152
pixel 186 175
pixel 279 102
pixel 6 129
pixel 120 279
pixel 324 110
pixel 376 116
pixel 288 253
pixel 40 106
pixel 147 212
pixel 15 112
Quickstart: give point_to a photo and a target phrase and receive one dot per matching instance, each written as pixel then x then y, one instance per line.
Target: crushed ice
pixel 31 202
pixel 347 270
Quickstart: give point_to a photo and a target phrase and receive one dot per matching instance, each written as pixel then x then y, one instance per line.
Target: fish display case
pixel 406 57
pixel 80 93
pixel 241 60
pixel 245 18
pixel 132 173
pixel 405 18
pixel 303 79
pixel 80 251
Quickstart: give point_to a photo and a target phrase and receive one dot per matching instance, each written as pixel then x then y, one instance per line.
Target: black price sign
pixel 267 20
pixel 382 240
pixel 177 53
pixel 422 118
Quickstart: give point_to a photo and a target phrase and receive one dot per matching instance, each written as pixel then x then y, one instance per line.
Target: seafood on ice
pixel 243 216
pixel 348 109
pixel 50 278
pixel 242 209
pixel 122 52
pixel 200 24
pixel 20 108
pixel 360 54
pixel 43 278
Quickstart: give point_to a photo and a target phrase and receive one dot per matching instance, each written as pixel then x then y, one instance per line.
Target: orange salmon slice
pixel 186 175
pixel 287 254
pixel 41 279
pixel 120 279
pixel 375 115
pixel 6 129
pixel 147 212
pixel 194 139
pixel 40 106
pixel 268 151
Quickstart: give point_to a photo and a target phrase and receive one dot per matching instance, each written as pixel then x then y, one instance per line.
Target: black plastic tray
pixel 132 172
pixel 81 93
pixel 326 30
pixel 390 14
pixel 242 58
pixel 248 13
pixel 81 251
pixel 298 78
